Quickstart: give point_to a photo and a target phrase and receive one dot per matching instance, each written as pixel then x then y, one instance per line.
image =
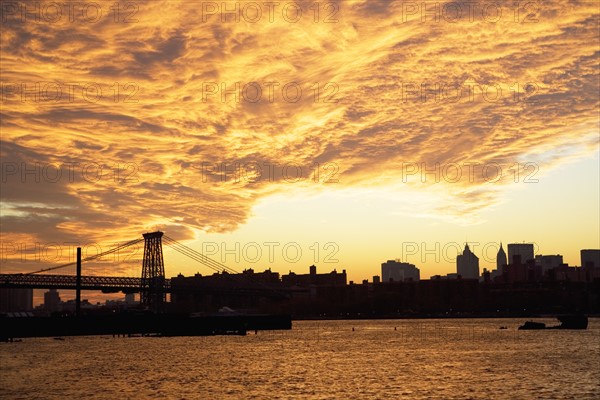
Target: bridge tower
pixel 153 273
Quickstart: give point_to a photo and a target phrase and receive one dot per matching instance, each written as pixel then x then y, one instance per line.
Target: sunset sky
pixel 119 119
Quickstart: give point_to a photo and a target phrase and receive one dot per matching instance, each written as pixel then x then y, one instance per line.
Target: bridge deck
pixel 69 282
pixel 124 284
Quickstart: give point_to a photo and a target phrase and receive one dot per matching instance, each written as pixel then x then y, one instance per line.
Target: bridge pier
pixel 78 284
pixel 152 293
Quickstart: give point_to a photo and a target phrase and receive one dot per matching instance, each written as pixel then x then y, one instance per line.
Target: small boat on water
pixel 571 322
pixel 566 322
pixel 530 325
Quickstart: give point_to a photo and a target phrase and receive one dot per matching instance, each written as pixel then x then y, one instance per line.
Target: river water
pixel 366 359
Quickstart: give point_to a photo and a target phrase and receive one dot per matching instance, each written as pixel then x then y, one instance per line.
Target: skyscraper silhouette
pixel 501 260
pixel 590 258
pixel 467 264
pixel 524 250
pixel 397 271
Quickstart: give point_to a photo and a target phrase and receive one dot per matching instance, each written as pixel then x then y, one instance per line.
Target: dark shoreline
pixel 186 325
pixel 140 324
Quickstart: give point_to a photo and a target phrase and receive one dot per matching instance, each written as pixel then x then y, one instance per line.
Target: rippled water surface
pixel 385 359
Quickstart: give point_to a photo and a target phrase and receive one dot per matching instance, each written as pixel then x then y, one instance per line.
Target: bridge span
pixel 152 285
pixel 104 283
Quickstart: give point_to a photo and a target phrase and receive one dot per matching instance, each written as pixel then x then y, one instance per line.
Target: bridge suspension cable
pixel 197 256
pixel 90 258
pixel 214 265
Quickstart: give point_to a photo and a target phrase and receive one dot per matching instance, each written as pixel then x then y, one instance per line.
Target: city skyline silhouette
pixel 304 199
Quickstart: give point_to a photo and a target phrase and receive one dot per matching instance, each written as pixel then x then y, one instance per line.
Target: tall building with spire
pixel 501 259
pixel 467 264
